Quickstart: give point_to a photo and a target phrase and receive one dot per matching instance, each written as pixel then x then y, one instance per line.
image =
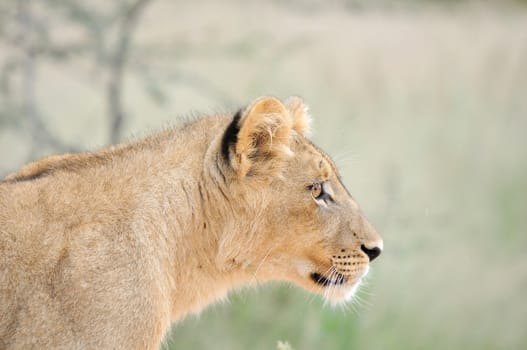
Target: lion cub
pixel 104 249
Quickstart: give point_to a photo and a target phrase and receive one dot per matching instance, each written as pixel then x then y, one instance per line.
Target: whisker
pixel 349 155
pixel 255 279
pixel 312 295
pixel 331 288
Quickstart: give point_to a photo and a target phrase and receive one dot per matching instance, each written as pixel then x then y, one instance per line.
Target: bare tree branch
pixel 117 67
pixel 41 134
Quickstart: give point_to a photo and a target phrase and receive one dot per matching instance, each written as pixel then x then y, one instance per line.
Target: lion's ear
pixel 263 138
pixel 300 115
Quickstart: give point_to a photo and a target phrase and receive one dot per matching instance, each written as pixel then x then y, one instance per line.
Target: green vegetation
pixel 424 111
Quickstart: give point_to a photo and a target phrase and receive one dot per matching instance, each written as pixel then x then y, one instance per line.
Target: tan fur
pixel 299 113
pixel 104 250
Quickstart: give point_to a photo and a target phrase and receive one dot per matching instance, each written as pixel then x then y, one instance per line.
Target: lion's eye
pixel 317 190
pixel 319 194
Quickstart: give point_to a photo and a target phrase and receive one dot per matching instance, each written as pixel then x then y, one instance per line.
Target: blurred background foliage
pixel 423 105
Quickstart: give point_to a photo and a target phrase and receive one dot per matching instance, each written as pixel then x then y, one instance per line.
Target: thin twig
pixel 41 134
pixel 117 67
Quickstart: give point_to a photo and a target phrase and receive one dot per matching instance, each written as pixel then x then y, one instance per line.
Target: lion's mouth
pixel 335 280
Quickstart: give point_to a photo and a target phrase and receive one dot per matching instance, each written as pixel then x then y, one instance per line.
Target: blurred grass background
pixel 423 105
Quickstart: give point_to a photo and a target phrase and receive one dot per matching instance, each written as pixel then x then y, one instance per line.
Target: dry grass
pixel 424 110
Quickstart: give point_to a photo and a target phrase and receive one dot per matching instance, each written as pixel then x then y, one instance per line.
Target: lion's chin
pixel 338 289
pixel 336 295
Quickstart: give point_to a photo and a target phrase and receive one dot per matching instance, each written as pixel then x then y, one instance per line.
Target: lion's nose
pixel 372 253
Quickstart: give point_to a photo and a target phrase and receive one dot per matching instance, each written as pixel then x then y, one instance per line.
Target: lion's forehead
pixel 318 157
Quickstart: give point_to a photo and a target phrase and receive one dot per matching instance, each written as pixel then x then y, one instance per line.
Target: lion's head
pixel 303 225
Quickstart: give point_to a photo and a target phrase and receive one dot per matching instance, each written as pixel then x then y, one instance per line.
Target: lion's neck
pixel 192 226
pixel 204 266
